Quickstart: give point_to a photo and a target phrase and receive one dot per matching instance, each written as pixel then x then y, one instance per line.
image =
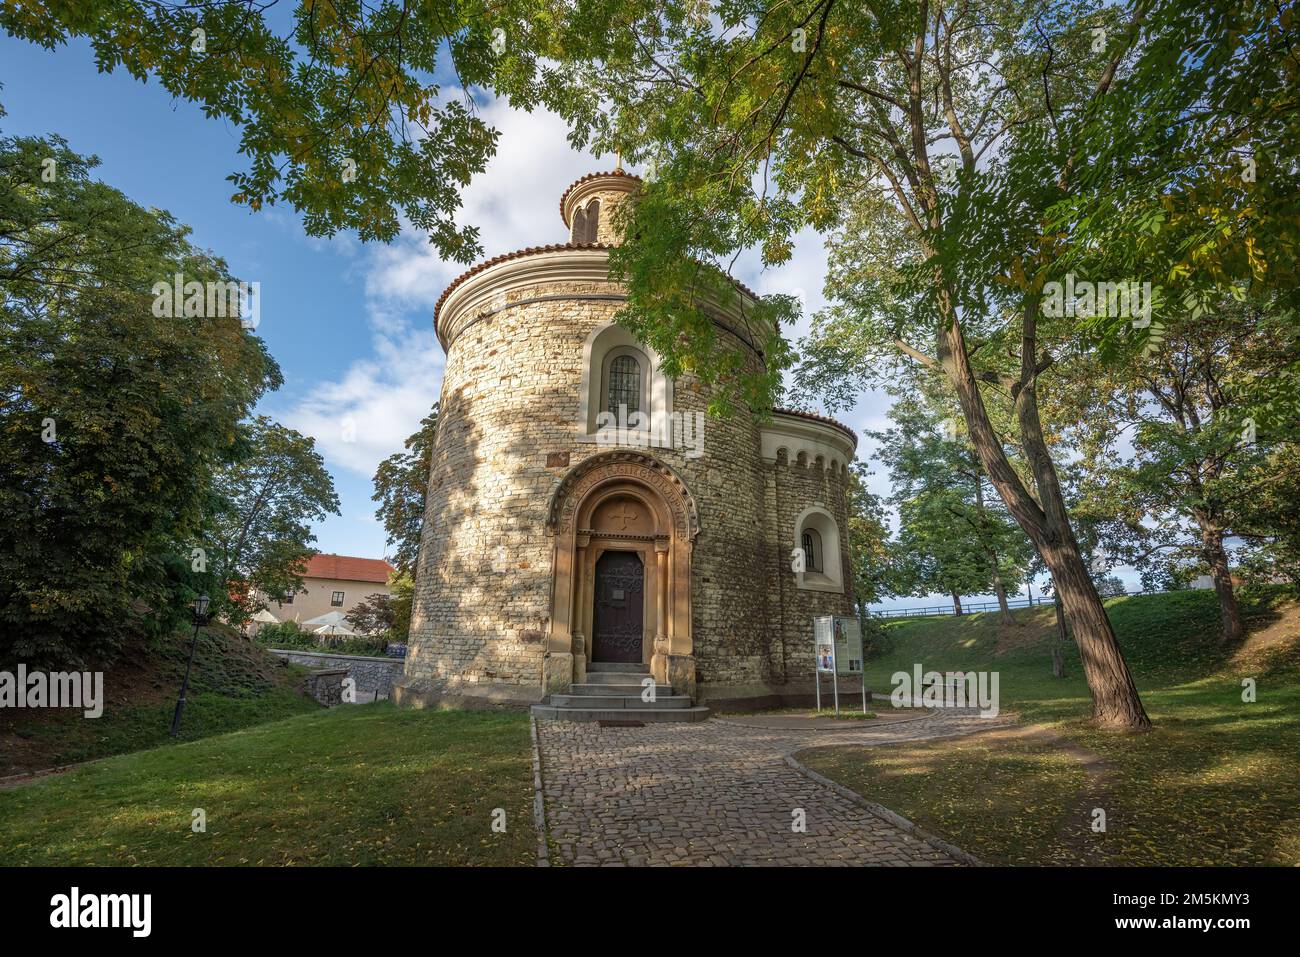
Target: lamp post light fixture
pixel 200 613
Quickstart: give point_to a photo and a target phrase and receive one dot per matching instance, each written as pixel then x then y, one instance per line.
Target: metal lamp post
pixel 200 612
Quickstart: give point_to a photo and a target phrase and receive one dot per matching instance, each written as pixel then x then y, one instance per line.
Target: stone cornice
pixel 486 288
pixel 813 435
pixel 814 417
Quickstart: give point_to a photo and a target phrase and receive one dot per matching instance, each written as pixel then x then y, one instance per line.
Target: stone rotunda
pixel 559 553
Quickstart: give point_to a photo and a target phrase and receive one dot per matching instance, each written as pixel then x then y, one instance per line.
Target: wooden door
pixel 619 613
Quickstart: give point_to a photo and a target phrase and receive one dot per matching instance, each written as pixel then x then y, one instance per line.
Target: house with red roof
pixel 332 583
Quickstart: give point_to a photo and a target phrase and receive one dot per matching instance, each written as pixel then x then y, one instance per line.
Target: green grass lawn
pixel 1216 782
pixel 234 685
pixel 356 785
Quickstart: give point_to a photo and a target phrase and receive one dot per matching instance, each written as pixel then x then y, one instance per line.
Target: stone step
pixel 628 690
pixel 648 715
pixel 616 677
pixel 625 666
pixel 605 702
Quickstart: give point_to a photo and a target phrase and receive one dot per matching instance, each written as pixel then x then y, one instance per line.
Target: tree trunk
pixel 956 604
pixel 1000 590
pixel 1058 647
pixel 1232 630
pixel 1115 699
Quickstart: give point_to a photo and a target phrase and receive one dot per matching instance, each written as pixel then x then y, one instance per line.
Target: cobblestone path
pixel 717 793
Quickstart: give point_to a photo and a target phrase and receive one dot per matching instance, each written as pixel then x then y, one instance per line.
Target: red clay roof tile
pixel 347 568
pixel 820 418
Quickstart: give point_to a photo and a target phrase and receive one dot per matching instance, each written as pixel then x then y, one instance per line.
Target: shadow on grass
pixel 358 785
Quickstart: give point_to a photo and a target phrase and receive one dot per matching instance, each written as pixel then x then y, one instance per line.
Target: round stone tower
pixel 582 509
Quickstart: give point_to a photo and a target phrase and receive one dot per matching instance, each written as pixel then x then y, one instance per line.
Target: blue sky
pixel 164 153
pixel 349 323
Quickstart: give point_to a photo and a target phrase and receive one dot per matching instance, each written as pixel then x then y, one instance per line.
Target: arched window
pixel 618 370
pixel 593 221
pixel 812 550
pixel 816 532
pixel 579 227
pixel 624 385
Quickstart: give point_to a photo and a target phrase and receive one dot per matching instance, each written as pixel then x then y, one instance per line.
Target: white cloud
pixel 367 413
pixel 382 396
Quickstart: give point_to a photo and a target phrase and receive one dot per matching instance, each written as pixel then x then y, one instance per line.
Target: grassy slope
pixel 356 785
pixel 1216 782
pixel 235 684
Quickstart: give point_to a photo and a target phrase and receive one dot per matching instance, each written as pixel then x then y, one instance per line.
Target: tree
pixel 112 419
pixel 402 588
pixel 939 560
pixel 400 484
pixel 789 118
pixel 868 537
pixel 1199 457
pixel 870 556
pixel 335 110
pixel 1270 518
pixel 373 615
pixel 958 540
pixel 387 615
pixel 267 497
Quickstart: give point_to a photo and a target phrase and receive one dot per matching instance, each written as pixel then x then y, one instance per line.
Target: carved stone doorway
pixel 633 508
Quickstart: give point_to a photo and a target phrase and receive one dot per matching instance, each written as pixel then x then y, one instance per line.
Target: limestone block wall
pixel 482 599
pixel 326 686
pixel 729 600
pixel 508 433
pixel 791 487
pixel 606 226
pixel 611 189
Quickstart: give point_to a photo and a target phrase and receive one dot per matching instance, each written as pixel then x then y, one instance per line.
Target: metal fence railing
pixel 926 611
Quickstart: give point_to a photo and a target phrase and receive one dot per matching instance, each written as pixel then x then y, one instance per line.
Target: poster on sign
pixel 824 643
pixel 837 645
pixel 848 646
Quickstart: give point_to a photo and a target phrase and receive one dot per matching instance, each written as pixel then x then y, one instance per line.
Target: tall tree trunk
pixel 1115 699
pixel 998 588
pixel 1058 646
pixel 956 604
pixel 1001 591
pixel 1231 630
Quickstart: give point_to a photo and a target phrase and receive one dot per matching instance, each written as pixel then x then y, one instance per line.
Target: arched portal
pixel 634 509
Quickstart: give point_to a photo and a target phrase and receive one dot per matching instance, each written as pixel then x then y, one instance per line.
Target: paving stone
pixel 717 794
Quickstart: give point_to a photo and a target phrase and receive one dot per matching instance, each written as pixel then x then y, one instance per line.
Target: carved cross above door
pixel 624 514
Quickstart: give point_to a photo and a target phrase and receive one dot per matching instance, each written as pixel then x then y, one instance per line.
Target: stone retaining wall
pixel 326 686
pixel 372 675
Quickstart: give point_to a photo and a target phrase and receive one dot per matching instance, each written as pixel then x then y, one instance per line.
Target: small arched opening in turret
pixel 586 223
